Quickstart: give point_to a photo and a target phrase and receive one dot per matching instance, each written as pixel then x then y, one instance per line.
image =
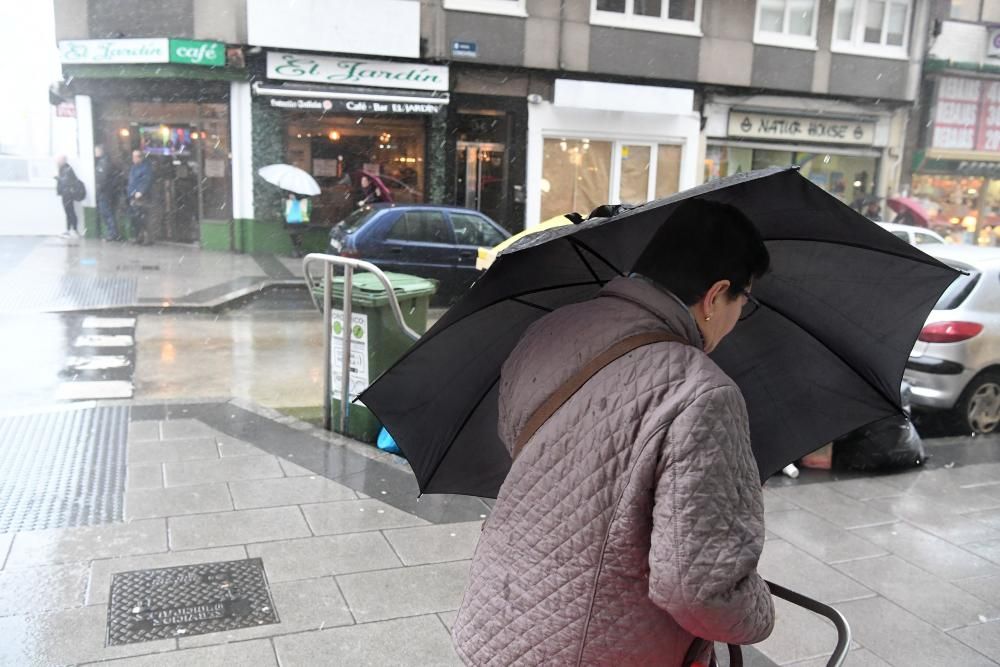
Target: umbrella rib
pixel 465 421
pixel 839 356
pixel 577 242
pixel 861 246
pixel 583 259
pixel 533 305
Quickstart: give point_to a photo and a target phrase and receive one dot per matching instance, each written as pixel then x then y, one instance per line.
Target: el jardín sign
pixel 749 125
pixel 154 50
pixel 354 72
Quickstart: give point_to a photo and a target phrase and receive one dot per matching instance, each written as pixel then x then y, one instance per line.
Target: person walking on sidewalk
pixel 140 185
pixel 105 178
pixel 629 528
pixel 70 189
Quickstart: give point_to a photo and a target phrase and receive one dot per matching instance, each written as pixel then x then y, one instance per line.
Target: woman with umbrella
pixel 632 518
pixel 297 210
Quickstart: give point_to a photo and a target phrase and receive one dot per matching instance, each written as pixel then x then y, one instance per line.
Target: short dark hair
pixel 701 243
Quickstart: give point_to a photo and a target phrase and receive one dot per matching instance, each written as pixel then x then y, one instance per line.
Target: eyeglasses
pixel 750 307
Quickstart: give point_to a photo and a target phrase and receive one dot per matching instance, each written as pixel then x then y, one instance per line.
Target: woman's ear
pixel 708 302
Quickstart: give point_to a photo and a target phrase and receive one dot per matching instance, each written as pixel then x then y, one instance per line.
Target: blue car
pixel 436 242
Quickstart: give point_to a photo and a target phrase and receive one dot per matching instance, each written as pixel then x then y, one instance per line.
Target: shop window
pixel 679 16
pixel 421 227
pixel 789 23
pixel 340 150
pixel 877 28
pixel 473 231
pixel 987 11
pixel 668 170
pixel 576 175
pixel 502 7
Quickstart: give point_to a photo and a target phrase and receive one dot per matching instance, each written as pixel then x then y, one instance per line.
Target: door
pixel 472 232
pixel 481 177
pixel 419 242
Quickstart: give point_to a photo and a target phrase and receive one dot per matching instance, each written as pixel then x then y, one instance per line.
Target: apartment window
pixel 678 16
pixel 987 11
pixel 502 7
pixel 872 27
pixel 790 23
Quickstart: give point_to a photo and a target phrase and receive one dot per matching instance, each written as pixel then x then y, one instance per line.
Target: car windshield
pixel 959 290
pixel 357 218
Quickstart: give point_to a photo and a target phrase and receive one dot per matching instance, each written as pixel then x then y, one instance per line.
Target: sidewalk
pixel 66 274
pixel 97 496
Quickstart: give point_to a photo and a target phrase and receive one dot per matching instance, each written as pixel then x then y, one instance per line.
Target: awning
pixel 958 163
pixel 354 101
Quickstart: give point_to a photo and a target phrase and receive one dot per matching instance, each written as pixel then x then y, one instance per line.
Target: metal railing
pixel 349 266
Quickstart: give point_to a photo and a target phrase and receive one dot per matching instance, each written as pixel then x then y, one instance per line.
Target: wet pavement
pixel 197 468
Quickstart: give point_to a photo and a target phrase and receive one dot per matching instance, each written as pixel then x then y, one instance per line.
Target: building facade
pixel 522 109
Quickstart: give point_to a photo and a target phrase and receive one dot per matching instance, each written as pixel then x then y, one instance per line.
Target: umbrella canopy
pixel 908 205
pixel 288 177
pixel 379 184
pixel 823 355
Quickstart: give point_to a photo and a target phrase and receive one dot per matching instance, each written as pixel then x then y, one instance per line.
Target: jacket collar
pixel 660 302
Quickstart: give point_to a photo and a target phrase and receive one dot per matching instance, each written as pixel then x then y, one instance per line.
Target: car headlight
pixel 336 245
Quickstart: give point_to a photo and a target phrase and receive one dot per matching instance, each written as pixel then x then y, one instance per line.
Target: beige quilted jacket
pixel 633 519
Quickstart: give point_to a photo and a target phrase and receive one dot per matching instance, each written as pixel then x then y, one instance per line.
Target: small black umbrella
pixel 822 356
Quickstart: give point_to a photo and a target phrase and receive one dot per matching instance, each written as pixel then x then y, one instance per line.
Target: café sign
pixel 355 106
pixel 354 72
pixel 136 51
pixel 806 129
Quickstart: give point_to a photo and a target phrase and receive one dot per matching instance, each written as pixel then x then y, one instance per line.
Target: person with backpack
pixel 71 190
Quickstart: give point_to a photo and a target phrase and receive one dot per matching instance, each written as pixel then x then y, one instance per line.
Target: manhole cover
pixel 188 600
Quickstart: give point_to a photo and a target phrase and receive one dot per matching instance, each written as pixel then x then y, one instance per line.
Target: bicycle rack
pixel 349 266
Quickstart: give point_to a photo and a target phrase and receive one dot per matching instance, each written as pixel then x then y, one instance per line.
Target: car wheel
pixel 978 409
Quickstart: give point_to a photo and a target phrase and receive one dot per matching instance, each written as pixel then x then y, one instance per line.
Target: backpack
pixel 77 190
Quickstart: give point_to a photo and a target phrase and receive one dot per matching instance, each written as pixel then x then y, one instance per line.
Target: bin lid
pixel 369 291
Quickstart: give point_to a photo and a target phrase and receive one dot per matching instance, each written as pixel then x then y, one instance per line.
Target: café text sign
pixel 136 51
pixel 355 106
pixel 805 129
pixel 353 72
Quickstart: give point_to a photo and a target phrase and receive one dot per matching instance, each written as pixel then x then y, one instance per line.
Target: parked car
pixel 912 235
pixel 955 364
pixel 436 242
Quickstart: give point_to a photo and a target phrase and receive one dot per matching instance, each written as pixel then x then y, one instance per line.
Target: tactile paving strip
pixel 62 468
pixel 21 293
pixel 146 605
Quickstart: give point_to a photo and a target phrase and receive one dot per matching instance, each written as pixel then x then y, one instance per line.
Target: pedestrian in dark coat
pixel 140 186
pixel 105 178
pixel 66 188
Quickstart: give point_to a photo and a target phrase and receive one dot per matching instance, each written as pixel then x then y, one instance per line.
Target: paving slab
pixel 65 545
pixel 934 600
pixel 820 538
pixel 288 491
pixel 834 507
pixel 435 544
pixel 798 635
pixel 42 588
pixel 143 430
pixel 144 476
pixel 351 516
pixel 796 570
pixel 421 640
pixel 984 637
pixel 865 488
pixel 257 653
pixel 185 428
pixel 201 531
pixel 924 514
pixel 163 451
pixel 233 469
pixel 937 556
pixel 988 550
pixel 985 588
pixel 408 591
pixel 322 556
pixel 201 499
pixel 904 640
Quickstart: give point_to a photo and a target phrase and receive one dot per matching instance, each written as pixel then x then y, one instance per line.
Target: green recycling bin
pixel 377 341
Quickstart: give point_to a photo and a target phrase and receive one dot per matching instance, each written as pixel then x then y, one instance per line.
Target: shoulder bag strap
pixel 580 378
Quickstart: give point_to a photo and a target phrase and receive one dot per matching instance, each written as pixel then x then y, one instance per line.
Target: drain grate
pixel 62 468
pixel 188 600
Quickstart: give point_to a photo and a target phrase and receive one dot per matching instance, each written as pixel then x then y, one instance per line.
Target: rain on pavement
pixel 167 489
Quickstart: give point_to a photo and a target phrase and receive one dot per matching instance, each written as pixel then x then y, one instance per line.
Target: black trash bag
pixel 887 444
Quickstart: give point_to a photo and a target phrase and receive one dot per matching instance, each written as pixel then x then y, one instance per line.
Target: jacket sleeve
pixel 708 524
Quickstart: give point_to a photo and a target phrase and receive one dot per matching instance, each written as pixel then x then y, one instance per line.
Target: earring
pixel 708 317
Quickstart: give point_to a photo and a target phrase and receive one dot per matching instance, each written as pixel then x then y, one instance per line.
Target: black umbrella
pixel 822 356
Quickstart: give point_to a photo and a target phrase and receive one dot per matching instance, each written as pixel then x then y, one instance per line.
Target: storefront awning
pixel 353 101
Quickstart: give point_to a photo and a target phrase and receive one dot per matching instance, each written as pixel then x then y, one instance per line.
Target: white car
pixel 912 235
pixel 955 364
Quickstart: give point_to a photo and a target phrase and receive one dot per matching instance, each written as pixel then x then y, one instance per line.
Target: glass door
pixel 634 173
pixel 480 177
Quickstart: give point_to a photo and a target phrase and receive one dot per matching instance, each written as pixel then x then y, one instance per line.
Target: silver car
pixel 955 364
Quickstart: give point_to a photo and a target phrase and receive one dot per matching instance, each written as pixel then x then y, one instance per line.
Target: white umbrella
pixel 287 177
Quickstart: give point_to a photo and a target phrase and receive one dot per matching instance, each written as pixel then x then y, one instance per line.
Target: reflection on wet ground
pixel 270 352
